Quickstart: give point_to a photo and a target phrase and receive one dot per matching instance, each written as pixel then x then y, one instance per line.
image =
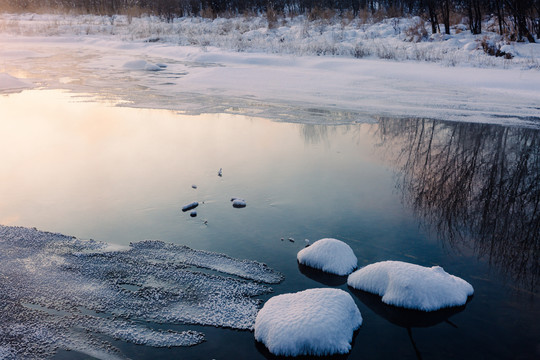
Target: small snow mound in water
pixel 311 322
pixel 412 286
pixel 142 65
pixel 329 255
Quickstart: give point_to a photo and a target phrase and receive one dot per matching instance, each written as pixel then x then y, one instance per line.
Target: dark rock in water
pixel 193 213
pixel 238 203
pixel 190 206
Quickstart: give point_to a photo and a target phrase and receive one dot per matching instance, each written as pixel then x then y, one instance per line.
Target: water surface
pixel 462 196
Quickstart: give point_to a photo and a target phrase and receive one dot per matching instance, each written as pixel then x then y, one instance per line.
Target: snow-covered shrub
pixel 392 39
pixel 493 48
pixel 416 32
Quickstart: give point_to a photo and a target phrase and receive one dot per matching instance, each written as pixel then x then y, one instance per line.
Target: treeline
pixel 517 18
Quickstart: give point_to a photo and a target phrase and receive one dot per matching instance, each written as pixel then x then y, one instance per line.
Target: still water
pixel 462 196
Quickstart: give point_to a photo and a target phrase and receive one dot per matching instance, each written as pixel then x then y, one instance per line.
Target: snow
pixel 329 255
pixel 310 322
pixel 351 72
pixel 411 286
pixel 143 65
pixel 59 291
pixel 10 83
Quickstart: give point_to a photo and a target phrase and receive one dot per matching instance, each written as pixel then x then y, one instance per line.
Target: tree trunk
pixel 500 17
pixel 432 17
pixel 446 16
pixel 475 16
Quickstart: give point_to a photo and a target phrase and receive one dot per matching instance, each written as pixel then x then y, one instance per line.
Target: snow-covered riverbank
pixel 297 71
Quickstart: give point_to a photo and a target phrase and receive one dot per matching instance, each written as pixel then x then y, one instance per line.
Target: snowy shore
pixel 299 71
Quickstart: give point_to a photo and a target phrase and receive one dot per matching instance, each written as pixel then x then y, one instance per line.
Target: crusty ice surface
pixel 57 292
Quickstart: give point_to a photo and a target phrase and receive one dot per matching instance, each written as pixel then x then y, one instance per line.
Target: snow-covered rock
pixel 141 65
pixel 329 255
pixel 412 286
pixel 470 46
pixel 310 322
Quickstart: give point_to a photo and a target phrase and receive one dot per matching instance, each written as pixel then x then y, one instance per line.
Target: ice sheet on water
pixel 182 254
pixel 57 292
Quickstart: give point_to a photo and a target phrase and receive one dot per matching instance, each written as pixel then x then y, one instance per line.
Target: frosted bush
pixel 388 39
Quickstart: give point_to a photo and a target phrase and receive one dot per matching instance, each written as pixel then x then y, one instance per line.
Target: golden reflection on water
pixel 98 164
pixel 56 149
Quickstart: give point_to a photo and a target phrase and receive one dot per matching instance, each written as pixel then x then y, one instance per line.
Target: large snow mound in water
pixel 329 255
pixel 412 286
pixel 57 291
pixel 311 322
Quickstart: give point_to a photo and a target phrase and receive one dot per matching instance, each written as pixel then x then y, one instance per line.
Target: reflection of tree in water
pixel 407 318
pixel 314 134
pixel 478 184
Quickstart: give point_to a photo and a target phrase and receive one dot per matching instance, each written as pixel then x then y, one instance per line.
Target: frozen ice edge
pixel 207 80
pixel 50 282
